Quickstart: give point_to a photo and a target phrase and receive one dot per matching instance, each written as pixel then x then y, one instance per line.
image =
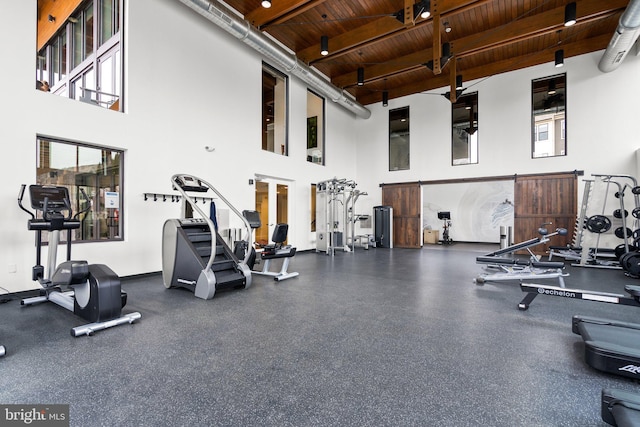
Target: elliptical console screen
pixel 58 197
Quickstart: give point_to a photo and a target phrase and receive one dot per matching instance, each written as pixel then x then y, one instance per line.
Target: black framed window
pixel 94 169
pixel 315 128
pixel 275 109
pixel 548 116
pixel 83 60
pixel 399 147
pixel 464 130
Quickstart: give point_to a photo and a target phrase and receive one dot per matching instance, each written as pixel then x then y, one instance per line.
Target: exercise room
pixel 328 213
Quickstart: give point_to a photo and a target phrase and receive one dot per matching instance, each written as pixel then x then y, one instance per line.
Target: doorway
pixel 406 201
pixel 272 203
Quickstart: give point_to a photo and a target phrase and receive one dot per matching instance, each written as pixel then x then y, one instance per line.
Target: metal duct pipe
pixel 623 39
pixel 242 29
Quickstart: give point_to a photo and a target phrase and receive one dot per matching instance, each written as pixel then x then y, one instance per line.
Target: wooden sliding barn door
pixel 545 198
pixel 406 201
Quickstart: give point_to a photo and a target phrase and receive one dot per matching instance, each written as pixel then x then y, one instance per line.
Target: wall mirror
pixel 464 125
pixel 548 116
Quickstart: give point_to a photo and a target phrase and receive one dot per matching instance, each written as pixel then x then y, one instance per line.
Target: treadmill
pixel 611 346
pixel 620 408
pixel 614 347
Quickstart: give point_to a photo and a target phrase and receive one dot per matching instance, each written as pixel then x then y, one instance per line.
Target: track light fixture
pixel 458 82
pixel 444 59
pixel 559 58
pixel 324 45
pixel 266 4
pixel 570 14
pixel 447 95
pixel 422 9
pixel 360 76
pixel 51 18
pixel 385 99
pixel 552 87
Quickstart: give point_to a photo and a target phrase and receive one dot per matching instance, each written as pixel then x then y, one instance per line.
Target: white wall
pixel 601 131
pixel 190 85
pixel 478 209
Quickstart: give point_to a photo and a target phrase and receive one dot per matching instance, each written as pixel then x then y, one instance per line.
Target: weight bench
pixel 278 250
pixel 361 240
pixel 572 253
pixel 517 246
pixel 518 268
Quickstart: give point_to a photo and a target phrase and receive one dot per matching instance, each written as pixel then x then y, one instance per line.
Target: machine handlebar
pixel 86 199
pixel 20 196
pixel 51 201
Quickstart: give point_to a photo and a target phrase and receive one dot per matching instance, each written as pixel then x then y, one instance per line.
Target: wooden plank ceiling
pixel 392 43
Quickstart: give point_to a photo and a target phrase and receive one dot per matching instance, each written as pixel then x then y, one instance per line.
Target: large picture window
pixel 399 158
pixel 97 171
pixel 548 116
pixel 464 130
pixel 274 111
pixel 79 56
pixel 315 128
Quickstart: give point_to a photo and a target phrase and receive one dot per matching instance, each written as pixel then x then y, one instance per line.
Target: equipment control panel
pixel 193 221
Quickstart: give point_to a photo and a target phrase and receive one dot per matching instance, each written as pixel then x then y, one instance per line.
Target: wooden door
pixel 545 198
pixel 406 201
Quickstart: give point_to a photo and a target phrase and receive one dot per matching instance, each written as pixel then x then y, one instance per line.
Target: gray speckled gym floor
pixel 375 338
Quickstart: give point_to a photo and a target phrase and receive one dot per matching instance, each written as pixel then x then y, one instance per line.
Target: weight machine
pixel 595 226
pixel 335 215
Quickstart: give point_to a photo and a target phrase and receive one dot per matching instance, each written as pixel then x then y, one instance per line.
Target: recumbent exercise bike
pixel 95 293
pixel 269 252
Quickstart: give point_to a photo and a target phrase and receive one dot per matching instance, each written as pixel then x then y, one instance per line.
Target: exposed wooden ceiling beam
pixel 350 40
pixel 379 71
pixel 513 32
pixel 453 93
pixel 436 48
pixel 536 25
pixel 376 30
pixel 280 11
pixel 422 85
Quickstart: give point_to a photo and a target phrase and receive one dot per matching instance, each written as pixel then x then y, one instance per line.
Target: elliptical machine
pixel 95 293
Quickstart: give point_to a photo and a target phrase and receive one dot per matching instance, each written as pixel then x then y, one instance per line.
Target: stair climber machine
pixel 91 291
pixel 194 255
